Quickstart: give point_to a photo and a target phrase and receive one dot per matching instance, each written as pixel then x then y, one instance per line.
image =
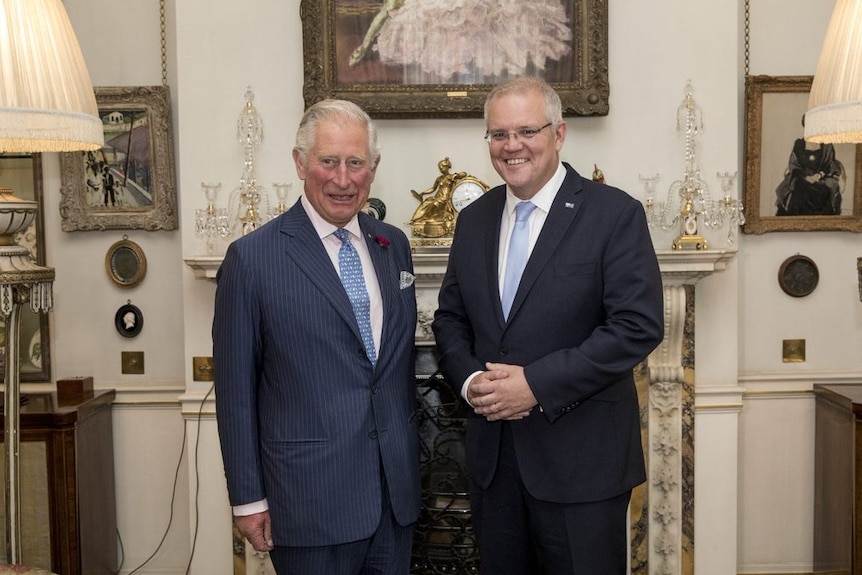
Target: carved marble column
pixel 666 388
pixel 669 444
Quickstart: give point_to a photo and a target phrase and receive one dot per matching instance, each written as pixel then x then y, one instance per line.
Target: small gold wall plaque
pixel 132 362
pixel 792 350
pixel 202 369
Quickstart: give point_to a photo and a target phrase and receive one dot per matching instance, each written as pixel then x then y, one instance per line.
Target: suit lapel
pixel 563 211
pixel 492 248
pixel 304 247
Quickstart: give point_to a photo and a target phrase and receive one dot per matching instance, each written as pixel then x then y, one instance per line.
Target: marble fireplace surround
pixel 662 510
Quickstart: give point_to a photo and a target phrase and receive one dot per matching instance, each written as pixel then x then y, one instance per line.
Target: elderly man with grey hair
pixel 315 314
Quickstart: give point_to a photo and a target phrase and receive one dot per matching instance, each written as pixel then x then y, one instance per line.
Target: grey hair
pixel 342 110
pixel 524 85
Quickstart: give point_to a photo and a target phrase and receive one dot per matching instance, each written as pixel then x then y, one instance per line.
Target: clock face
pixel 465 192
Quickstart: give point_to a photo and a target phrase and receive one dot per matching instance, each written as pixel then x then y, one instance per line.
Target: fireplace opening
pixel 444 541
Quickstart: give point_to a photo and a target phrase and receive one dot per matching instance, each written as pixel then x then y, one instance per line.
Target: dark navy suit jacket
pixel 304 418
pixel 588 309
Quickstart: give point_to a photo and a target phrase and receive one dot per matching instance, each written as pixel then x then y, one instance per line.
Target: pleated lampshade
pixel 47 103
pixel 835 103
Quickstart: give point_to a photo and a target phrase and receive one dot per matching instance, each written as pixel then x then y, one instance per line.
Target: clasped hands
pixel 501 393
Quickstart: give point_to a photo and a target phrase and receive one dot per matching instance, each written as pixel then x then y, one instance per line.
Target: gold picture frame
pixel 128 184
pixel 126 263
pixel 332 30
pixel 774 108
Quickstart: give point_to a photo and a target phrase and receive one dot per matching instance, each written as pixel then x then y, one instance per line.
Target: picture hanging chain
pixel 747 36
pixel 163 42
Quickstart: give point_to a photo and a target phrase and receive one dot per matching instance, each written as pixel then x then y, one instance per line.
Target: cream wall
pixel 776 479
pixel 754 416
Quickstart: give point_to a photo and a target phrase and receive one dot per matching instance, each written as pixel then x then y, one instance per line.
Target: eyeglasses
pixel 500 136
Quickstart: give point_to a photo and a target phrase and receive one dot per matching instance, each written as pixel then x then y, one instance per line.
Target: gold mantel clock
pixel 433 222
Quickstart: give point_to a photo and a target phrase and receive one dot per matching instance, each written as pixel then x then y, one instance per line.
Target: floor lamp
pixel 835 104
pixel 47 104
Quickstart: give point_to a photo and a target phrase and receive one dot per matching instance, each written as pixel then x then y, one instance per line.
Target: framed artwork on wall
pixel 791 185
pixel 420 59
pixel 22 173
pixel 129 184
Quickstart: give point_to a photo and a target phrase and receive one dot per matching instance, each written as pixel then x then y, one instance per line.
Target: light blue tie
pixel 516 258
pixel 350 270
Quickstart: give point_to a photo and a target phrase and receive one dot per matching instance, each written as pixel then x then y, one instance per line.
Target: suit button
pixel 372 434
pixel 504 350
pixel 375 389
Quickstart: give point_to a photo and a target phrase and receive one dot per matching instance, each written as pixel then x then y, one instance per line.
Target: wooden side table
pixel 69 511
pixel 838 479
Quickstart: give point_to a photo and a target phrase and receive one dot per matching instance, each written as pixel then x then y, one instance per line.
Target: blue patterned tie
pixel 350 269
pixel 516 259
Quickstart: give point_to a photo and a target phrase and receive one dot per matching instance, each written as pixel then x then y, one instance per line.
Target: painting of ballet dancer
pixel 439 58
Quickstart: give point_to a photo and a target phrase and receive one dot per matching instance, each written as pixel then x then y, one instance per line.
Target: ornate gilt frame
pixel 126 263
pixel 80 214
pixel 587 95
pixel 759 142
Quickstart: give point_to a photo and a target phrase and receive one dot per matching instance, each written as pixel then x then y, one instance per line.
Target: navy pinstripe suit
pixel 304 419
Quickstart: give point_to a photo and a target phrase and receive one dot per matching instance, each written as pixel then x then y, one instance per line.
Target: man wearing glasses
pixel 551 297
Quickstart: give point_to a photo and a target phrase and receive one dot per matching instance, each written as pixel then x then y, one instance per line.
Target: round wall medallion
pixel 126 263
pixel 798 276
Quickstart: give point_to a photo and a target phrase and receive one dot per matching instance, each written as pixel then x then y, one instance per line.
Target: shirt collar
pixel 544 197
pixel 324 228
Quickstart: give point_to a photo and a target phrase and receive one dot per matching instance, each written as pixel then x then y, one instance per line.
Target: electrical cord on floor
pixel 173 499
pixel 197 481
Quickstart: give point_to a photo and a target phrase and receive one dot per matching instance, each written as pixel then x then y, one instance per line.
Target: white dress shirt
pixel 325 232
pixel 542 200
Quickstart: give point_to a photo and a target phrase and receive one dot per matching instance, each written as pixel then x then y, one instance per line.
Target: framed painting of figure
pixel 792 185
pixel 129 183
pixel 426 59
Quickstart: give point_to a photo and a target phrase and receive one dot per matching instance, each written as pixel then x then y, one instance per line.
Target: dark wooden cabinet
pixel 69 512
pixel 838 479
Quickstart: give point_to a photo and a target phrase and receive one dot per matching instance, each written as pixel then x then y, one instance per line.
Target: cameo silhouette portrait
pixel 128 320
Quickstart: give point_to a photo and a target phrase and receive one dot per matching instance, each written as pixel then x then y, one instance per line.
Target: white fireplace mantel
pixel 677 267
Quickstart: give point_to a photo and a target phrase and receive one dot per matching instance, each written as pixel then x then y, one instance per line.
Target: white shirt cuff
pixel 466 385
pixel 251 508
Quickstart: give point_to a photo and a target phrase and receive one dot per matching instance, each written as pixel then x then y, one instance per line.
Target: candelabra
pixel 693 204
pixel 245 200
pixel 248 205
pixel 212 222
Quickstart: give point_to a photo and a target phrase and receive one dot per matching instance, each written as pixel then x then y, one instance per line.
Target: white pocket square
pixel 406 280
